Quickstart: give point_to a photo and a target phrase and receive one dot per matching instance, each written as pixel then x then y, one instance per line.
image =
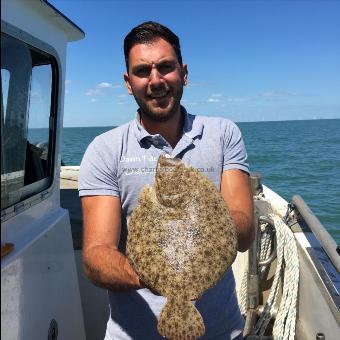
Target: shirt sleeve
pixel 98 171
pixel 235 154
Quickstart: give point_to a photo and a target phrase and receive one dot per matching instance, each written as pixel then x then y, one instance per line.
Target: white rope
pixel 265 245
pixel 270 306
pixel 284 326
pixel 243 293
pixel 288 268
pixel 265 251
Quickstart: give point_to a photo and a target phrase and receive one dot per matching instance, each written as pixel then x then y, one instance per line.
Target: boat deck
pixel 69 199
pixel 94 300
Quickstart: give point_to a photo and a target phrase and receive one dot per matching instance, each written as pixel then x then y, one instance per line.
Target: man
pixel 118 164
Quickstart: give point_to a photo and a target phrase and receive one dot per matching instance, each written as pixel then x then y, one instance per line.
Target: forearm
pixel 108 268
pixel 245 229
pixel 236 191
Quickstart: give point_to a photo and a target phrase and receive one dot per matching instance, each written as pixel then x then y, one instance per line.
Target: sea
pixel 293 157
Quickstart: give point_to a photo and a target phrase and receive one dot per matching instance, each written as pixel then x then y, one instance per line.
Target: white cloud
pixel 275 93
pixel 100 89
pixel 213 100
pixel 198 84
pixel 122 96
pixel 94 92
pixel 104 85
pixel 67 81
pixel 93 100
pixel 193 84
pixel 237 99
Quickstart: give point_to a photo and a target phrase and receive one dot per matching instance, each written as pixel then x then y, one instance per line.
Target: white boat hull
pixel 40 285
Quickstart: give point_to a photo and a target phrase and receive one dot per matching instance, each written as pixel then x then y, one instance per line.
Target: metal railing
pixel 326 241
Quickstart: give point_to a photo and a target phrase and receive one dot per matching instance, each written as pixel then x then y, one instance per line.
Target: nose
pixel 155 78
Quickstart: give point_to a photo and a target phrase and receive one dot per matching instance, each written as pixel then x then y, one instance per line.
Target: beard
pixel 161 110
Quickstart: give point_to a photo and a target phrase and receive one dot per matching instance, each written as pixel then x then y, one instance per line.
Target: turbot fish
pixel 181 240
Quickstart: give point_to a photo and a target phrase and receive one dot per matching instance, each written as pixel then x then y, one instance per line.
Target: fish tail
pixel 179 319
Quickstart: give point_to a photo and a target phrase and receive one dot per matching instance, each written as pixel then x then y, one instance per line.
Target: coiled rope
pixel 288 269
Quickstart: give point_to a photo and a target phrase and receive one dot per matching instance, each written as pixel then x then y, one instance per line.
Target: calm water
pixel 293 157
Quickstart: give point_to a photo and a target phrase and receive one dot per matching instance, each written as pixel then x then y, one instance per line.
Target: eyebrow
pixel 162 61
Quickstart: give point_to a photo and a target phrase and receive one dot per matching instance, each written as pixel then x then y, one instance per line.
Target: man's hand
pixel 103 263
pixel 236 191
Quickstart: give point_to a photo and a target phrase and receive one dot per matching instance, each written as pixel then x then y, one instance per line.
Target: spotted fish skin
pixel 181 240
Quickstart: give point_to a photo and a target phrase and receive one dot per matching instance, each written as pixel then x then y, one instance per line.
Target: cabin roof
pixel 73 32
pixel 10 8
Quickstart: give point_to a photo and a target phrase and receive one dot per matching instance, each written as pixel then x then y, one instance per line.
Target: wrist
pixel 134 278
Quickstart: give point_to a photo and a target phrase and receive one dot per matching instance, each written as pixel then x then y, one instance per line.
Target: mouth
pixel 159 95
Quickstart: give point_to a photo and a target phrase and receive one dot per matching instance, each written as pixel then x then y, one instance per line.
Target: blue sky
pixel 247 60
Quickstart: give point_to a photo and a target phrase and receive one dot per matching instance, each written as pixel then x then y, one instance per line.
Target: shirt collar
pixel 192 126
pixel 140 132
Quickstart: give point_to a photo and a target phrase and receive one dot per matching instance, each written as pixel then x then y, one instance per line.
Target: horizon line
pixel 236 122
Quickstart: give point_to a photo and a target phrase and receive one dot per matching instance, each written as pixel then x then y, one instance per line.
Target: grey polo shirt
pixel 120 163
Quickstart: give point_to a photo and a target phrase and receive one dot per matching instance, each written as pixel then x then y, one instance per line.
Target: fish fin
pixel 179 319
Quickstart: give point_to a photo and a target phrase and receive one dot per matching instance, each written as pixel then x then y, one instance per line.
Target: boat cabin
pixel 38 270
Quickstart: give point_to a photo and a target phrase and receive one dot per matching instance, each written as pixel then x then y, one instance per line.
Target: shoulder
pixel 114 135
pixel 106 147
pixel 221 121
pixel 216 125
pixel 112 141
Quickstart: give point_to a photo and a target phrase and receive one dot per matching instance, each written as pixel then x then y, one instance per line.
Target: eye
pixel 165 68
pixel 142 72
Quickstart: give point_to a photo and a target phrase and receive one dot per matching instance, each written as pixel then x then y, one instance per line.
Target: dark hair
pixel 148 32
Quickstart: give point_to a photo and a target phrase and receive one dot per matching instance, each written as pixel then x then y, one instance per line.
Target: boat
pixel 40 296
pixel 288 282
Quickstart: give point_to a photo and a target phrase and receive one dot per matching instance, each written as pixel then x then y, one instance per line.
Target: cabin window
pixel 27 112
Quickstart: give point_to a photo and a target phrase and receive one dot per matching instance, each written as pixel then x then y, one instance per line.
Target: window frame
pixel 40 190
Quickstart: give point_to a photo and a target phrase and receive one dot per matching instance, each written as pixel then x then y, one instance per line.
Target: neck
pixel 171 129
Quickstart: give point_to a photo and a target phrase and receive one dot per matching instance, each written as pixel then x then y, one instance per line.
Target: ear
pixel 185 74
pixel 127 83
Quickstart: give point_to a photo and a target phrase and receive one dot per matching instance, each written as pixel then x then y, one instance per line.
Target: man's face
pixel 156 79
